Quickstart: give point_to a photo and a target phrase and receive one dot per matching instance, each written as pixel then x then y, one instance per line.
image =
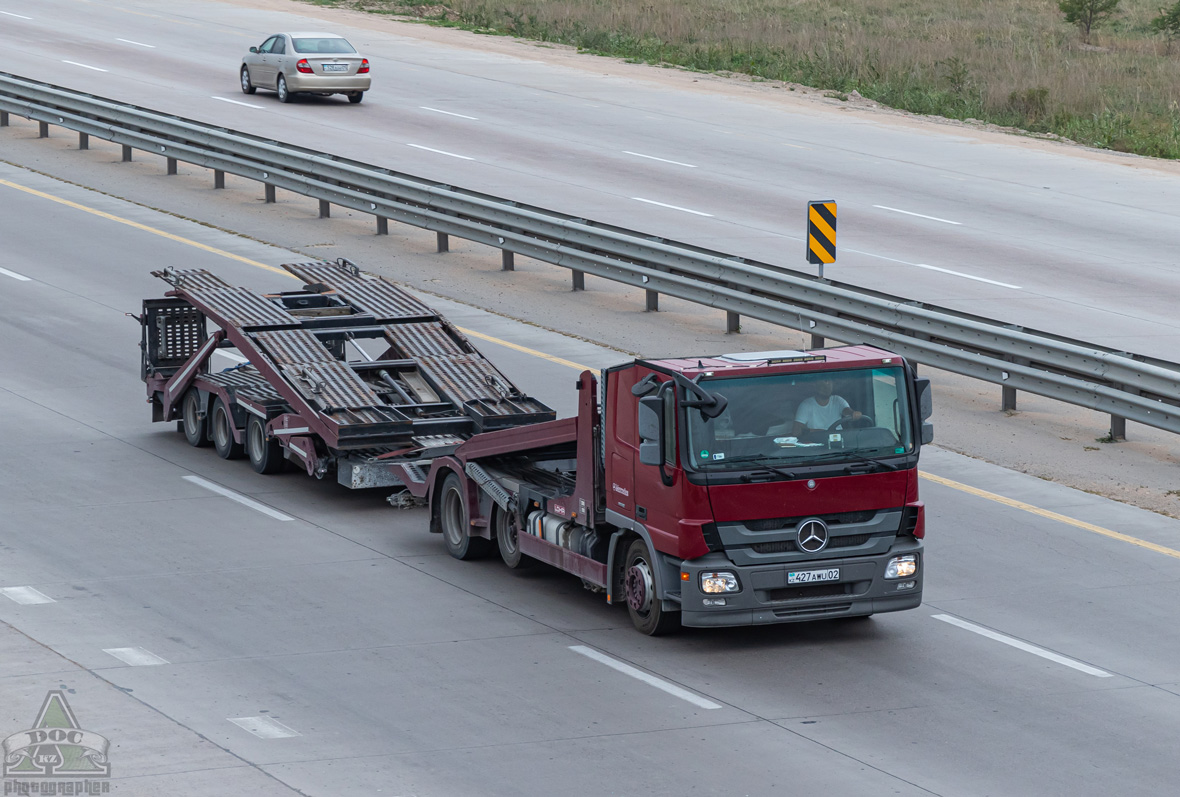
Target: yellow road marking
pixel 526 350
pixel 144 227
pixel 1045 513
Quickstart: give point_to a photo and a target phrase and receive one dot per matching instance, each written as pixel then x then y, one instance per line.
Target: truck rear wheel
pixel 222 430
pixel 196 427
pixel 507 540
pixel 451 511
pixel 643 603
pixel 266 456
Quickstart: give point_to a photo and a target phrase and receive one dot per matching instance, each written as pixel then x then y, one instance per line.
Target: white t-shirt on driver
pixel 813 416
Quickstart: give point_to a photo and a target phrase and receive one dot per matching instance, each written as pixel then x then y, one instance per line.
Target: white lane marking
pixel 440 152
pixel 137 44
pixel 968 276
pixel 1026 647
pixel 647 678
pixel 14 275
pixel 797 146
pixel 449 113
pixel 10 14
pixel 654 158
pixel 673 207
pixel 264 727
pixel 241 499
pixel 238 102
pixel 26 596
pixel 84 66
pixel 921 216
pixel 136 657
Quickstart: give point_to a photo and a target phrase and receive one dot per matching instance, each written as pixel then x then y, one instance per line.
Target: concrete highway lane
pixel 277 634
pixel 1041 234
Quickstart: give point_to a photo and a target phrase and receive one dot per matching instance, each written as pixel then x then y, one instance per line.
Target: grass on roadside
pixel 1014 63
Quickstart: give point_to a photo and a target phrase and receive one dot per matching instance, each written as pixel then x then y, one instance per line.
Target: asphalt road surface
pixel 230 632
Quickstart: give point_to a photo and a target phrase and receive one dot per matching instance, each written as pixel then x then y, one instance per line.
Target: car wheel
pixel 281 87
pixel 247 86
pixel 356 97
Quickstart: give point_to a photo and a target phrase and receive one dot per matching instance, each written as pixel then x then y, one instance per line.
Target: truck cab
pixel 769 487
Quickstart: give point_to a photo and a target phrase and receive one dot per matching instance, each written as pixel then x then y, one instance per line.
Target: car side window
pixel 266 45
pixel 280 47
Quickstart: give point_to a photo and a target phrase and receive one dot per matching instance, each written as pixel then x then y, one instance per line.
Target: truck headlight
pixel 722 581
pixel 902 566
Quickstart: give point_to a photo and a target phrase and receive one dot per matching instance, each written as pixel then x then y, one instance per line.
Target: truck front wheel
pixel 643 603
pixel 451 511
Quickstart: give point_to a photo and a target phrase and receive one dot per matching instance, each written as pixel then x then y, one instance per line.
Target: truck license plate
pixel 811 576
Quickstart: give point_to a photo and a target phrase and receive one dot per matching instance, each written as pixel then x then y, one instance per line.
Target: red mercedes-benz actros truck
pixel 725 490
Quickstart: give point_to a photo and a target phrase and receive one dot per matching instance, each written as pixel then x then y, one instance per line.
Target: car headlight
pixel 902 566
pixel 721 581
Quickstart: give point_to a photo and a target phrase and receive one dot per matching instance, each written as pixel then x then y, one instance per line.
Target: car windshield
pixel 316 45
pixel 792 420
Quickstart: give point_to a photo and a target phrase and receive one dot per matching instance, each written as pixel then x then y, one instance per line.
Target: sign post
pixel 821 233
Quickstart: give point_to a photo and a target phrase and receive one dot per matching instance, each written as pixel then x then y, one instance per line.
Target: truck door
pixel 659 501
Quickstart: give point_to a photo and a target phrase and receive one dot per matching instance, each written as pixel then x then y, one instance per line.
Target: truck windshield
pixel 787 420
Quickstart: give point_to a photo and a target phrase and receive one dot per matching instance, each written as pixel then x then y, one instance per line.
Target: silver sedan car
pixel 306 63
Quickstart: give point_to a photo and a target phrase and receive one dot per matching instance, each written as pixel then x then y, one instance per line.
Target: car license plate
pixel 811 576
pixel 335 67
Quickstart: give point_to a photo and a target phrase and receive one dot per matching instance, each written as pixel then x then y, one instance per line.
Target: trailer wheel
pixel 507 541
pixel 451 510
pixel 266 456
pixel 639 585
pixel 196 428
pixel 222 429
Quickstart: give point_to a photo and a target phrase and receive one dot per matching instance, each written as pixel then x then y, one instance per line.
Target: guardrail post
pixel 579 280
pixel 382 225
pixel 442 241
pixel 218 178
pixel 126 154
pixel 733 322
pixel 83 141
pixel 172 166
pixel 1007 399
pixel 652 304
pixel 1118 427
pixel 325 209
pixel 268 191
pixel 3 118
pixel 507 260
pixel 43 130
pixel 817 341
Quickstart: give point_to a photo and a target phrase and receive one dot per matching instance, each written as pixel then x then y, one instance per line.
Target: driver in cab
pixel 819 412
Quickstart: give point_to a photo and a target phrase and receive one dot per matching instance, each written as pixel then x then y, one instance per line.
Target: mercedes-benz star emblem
pixel 813 535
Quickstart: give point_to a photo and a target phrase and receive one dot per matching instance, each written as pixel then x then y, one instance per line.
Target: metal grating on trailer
pixel 367 293
pixel 247 382
pixel 181 333
pixel 424 340
pixel 193 279
pixel 290 346
pixel 335 387
pixel 243 308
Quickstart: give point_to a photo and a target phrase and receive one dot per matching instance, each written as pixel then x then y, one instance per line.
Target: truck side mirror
pixel 925 407
pixel 651 430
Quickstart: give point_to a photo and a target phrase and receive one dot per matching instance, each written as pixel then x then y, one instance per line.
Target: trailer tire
pixel 221 429
pixel 451 511
pixel 196 428
pixel 507 534
pixel 643 603
pixel 266 456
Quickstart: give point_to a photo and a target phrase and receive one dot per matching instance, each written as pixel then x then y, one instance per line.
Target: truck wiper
pixel 759 458
pixel 860 459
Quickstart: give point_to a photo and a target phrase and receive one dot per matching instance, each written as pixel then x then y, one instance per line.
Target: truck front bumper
pixel 766 596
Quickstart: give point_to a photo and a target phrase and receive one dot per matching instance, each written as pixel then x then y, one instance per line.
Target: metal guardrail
pixel 1127 386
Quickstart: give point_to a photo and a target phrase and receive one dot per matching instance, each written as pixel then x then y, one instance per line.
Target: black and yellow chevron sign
pixel 821 231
